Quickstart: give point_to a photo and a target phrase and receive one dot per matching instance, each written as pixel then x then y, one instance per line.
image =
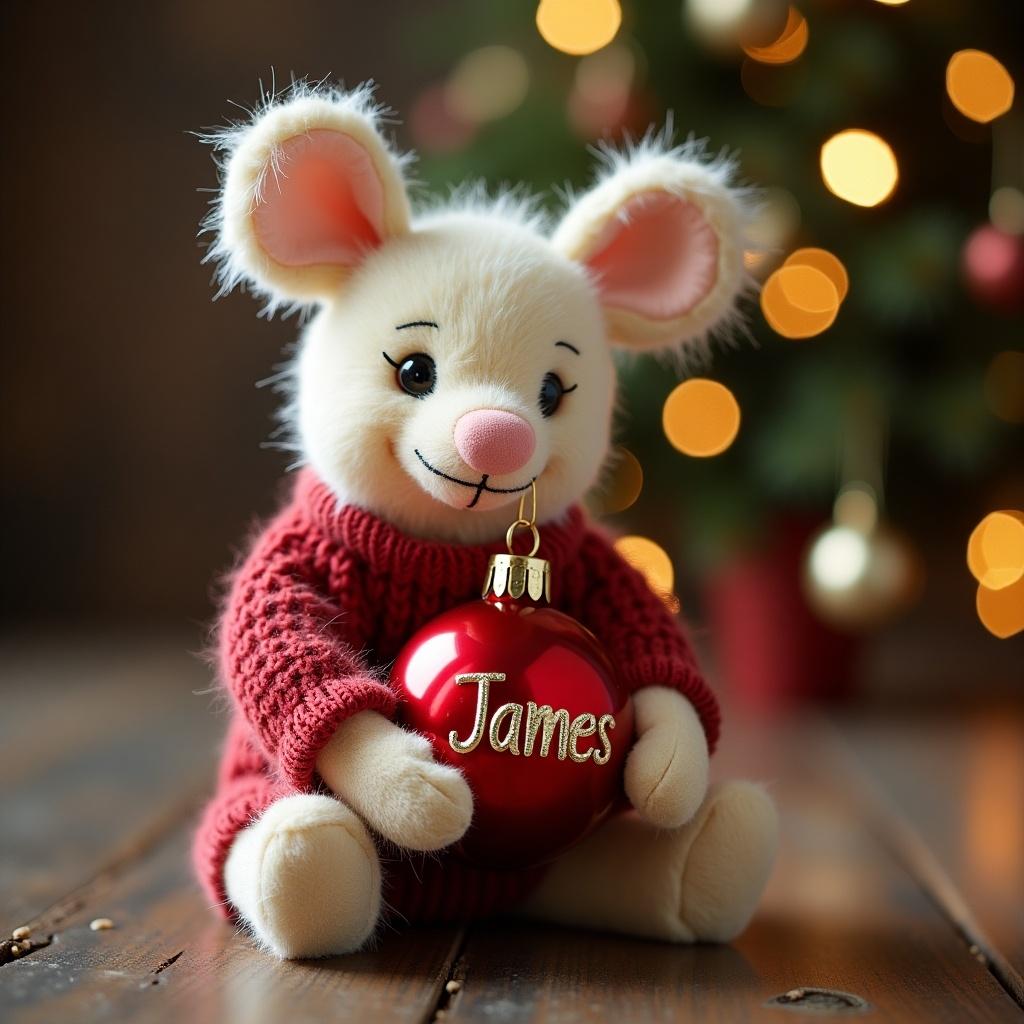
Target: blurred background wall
pixel 133 466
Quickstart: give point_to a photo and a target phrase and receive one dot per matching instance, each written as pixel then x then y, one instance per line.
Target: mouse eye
pixel 416 374
pixel 551 391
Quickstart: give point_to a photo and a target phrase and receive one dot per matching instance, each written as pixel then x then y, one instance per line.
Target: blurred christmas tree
pixel 871 141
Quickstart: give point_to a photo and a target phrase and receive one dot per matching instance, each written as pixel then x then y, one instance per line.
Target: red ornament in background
pixel 993 266
pixel 524 701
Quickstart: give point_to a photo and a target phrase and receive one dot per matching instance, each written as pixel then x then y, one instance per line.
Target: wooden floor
pixel 899 891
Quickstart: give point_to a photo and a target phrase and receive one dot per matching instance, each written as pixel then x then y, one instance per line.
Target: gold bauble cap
pixel 518 575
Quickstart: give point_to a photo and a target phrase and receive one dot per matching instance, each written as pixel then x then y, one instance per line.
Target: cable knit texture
pixel 319 609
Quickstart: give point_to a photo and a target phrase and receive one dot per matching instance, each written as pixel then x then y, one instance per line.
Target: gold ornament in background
pixel 859 572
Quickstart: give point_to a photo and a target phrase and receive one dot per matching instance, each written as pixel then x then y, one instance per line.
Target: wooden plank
pixel 169 958
pixel 951 791
pixel 101 747
pixel 841 915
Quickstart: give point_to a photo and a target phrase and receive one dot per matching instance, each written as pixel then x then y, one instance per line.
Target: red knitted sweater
pixel 324 603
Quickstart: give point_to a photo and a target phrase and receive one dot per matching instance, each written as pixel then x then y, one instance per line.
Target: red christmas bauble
pixel 524 701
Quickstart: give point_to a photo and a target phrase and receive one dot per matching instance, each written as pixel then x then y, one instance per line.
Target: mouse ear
pixel 662 235
pixel 308 188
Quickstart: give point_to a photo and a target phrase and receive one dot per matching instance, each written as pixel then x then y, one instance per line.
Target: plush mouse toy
pixel 453 357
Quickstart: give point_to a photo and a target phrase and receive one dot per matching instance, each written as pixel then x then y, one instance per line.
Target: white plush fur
pixel 502 294
pixel 305 878
pixel 698 882
pixel 502 298
pixel 390 777
pixel 252 166
pixel 653 165
pixel 667 769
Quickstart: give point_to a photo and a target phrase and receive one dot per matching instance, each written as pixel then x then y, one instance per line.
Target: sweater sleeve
pixel 283 652
pixel 645 642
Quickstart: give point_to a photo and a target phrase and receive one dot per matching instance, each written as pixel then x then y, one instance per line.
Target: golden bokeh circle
pixel 789 45
pixel 859 166
pixel 828 263
pixel 621 486
pixel 701 417
pixel 979 86
pixel 995 550
pixel 1002 611
pixel 578 27
pixel 651 560
pixel 799 301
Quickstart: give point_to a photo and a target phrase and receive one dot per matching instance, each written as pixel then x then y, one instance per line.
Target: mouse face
pixel 458 357
pixel 437 402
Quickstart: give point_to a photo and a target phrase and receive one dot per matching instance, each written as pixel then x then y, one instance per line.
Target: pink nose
pixel 494 442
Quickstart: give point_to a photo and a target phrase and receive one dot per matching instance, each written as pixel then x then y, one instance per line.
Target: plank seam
pixel 909 849
pixel 126 855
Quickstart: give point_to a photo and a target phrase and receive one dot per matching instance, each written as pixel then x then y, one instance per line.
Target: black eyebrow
pixel 417 323
pixel 565 344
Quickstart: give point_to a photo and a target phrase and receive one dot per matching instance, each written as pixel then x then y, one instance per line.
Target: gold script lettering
pixel 480 722
pixel 506 726
pixel 514 712
pixel 605 723
pixel 582 725
pixel 545 719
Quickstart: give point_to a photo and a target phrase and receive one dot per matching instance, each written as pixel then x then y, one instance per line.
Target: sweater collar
pixel 385 548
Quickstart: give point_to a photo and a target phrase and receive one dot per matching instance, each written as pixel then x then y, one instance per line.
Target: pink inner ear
pixel 658 259
pixel 325 204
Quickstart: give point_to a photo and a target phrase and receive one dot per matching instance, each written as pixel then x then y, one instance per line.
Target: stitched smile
pixel 480 486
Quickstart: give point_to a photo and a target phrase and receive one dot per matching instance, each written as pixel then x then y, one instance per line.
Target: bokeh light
pixel 775 222
pixel 621 485
pixel 724 24
pixel 893 3
pixel 856 506
pixel 857 578
pixel 993 267
pixel 839 558
pixel 701 417
pixel 488 84
pixel 799 301
pixel 434 126
pixel 578 27
pixel 649 559
pixel 1006 210
pixel 859 166
pixel 601 90
pixel 1004 386
pixel 979 86
pixel 788 46
pixel 995 550
pixel 1002 611
pixel 828 263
